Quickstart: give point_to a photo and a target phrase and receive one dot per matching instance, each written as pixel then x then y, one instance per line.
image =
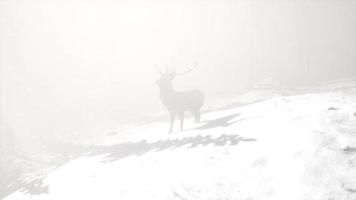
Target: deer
pixel 178 102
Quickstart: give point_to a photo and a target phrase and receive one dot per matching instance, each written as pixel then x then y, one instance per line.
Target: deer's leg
pixel 172 115
pixel 181 117
pixel 197 116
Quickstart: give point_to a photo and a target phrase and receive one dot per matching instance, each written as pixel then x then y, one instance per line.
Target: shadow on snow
pixel 119 151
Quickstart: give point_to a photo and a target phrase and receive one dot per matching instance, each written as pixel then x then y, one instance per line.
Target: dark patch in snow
pixel 333 108
pixel 351 190
pixel 350 150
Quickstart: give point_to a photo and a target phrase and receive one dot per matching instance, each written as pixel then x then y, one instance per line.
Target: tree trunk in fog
pixel 7 143
pixel 252 45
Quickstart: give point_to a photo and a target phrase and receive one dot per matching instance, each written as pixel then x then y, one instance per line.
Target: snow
pixel 280 147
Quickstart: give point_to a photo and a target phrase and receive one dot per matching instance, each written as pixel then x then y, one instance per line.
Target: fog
pixel 76 69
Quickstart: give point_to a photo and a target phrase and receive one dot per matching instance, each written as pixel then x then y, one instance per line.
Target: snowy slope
pixel 300 147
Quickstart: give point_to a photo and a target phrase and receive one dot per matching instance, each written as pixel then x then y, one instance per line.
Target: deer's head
pixel 167 77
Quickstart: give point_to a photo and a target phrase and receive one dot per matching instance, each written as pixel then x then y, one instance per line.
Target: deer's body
pixel 178 102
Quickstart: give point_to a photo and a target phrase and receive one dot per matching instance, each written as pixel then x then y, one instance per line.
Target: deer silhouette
pixel 177 102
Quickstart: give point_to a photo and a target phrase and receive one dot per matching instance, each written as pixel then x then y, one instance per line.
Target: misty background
pixel 75 69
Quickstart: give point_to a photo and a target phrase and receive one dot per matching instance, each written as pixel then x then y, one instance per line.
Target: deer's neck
pixel 167 89
pixel 167 95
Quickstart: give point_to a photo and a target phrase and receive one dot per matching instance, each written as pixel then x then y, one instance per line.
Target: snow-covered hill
pixel 296 147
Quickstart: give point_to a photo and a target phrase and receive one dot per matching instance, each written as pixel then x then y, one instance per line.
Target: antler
pixel 189 70
pixel 159 71
pixel 172 70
